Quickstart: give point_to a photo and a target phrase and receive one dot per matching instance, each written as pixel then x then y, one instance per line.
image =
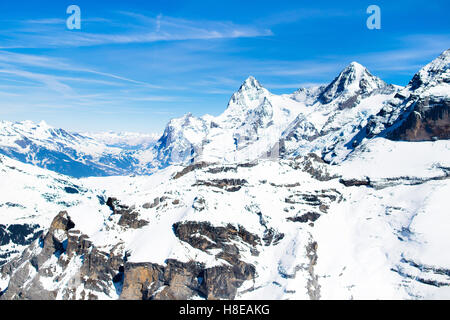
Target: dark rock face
pixel 222 282
pixel 320 199
pixel 129 216
pixel 231 168
pixel 428 120
pixel 230 185
pixel 272 237
pixel 18 234
pixel 156 202
pixel 313 285
pixel 309 216
pixel 349 103
pixel 148 281
pixel 181 281
pixel 217 237
pixel 318 203
pixel 190 168
pixel 355 182
pixel 314 165
pixel 21 234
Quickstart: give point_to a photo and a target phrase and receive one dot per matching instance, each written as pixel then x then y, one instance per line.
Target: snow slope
pixel 370 241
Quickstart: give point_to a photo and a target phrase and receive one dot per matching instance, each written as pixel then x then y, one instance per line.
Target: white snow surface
pixel 374 243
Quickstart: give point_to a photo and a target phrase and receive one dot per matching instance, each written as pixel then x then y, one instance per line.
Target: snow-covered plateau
pixel 333 192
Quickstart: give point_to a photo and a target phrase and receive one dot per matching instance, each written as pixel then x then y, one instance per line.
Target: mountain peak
pixel 355 66
pixel 251 82
pixel 353 79
pixel 354 69
pixel 446 54
pixel 44 125
pixel 434 73
pixel 249 95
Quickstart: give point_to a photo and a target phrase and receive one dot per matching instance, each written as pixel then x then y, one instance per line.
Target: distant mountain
pixel 69 153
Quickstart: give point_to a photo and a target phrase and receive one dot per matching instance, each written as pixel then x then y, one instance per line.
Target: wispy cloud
pixel 140 29
pixel 302 68
pixel 51 63
pixel 58 21
pixel 415 51
pixel 49 81
pixel 292 16
pixel 45 21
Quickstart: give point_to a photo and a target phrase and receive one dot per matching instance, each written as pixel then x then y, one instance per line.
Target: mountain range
pixel 335 191
pixel 328 120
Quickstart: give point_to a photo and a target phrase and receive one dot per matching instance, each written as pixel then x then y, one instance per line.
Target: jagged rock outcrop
pixel 129 216
pixel 428 120
pixel 204 236
pixel 420 111
pixel 63 264
pixel 148 281
pixel 314 165
pixel 230 185
pixel 181 281
pixel 307 217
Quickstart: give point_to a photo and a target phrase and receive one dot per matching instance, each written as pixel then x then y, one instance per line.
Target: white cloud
pixel 142 29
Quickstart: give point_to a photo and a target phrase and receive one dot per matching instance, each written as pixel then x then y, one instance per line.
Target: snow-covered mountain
pixel 353 80
pixel 420 111
pixel 333 192
pixel 73 154
pixel 258 124
pixel 337 114
pixel 328 120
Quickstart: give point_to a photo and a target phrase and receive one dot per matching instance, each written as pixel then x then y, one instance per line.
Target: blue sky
pixel 136 64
